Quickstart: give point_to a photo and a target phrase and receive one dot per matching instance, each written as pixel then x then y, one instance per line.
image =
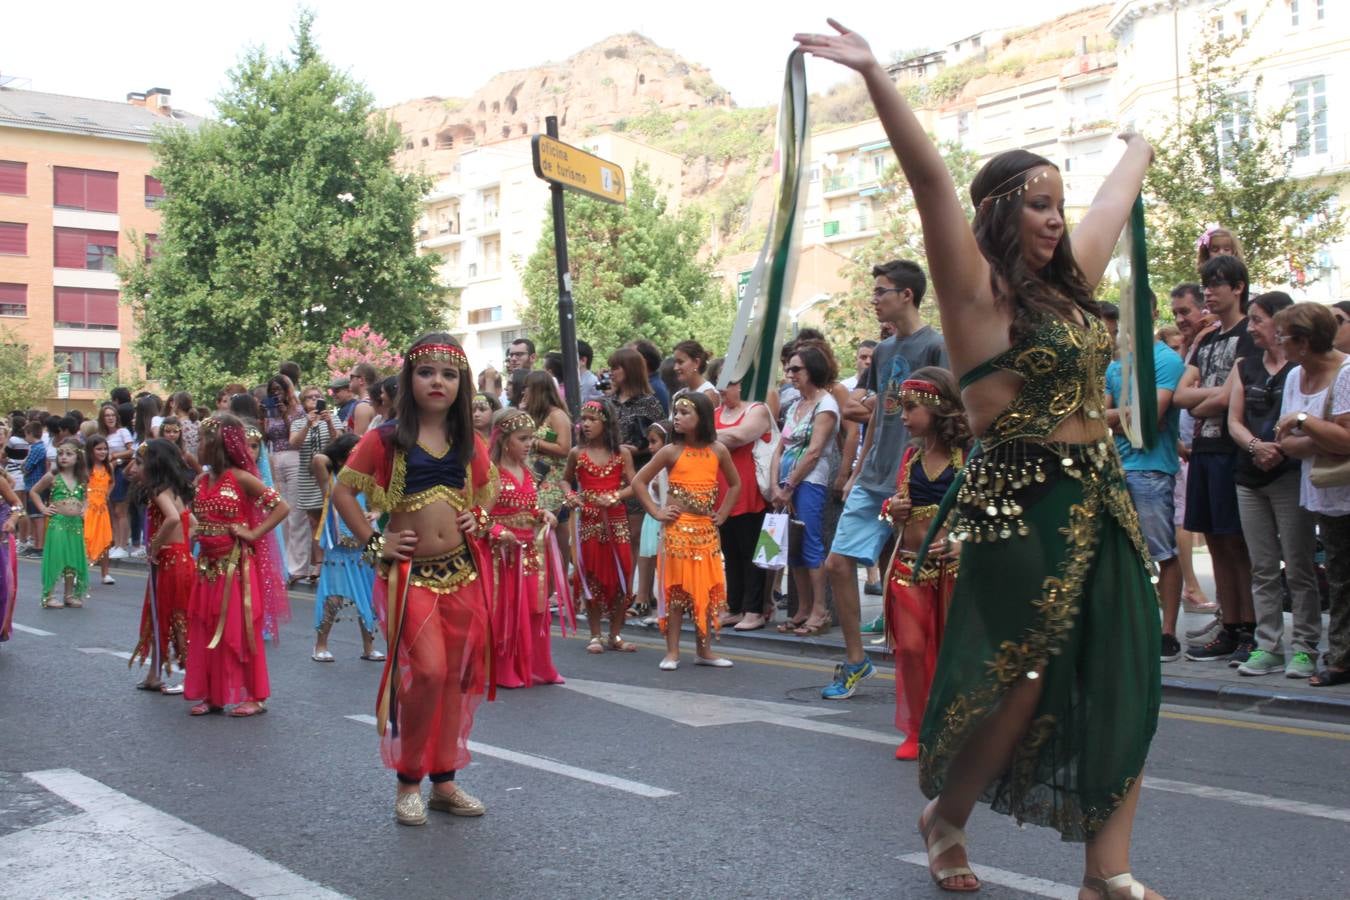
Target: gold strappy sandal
pixel 1108 887
pixel 939 836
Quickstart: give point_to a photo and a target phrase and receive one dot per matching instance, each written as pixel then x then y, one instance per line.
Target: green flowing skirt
pixel 63 554
pixel 1074 596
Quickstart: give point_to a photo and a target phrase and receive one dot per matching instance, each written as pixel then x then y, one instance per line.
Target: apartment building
pixel 485 220
pixel 1296 52
pixel 75 190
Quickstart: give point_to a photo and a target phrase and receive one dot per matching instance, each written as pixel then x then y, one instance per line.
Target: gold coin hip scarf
pixel 441 574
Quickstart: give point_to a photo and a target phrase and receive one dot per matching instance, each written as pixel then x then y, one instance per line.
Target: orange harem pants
pixel 916 615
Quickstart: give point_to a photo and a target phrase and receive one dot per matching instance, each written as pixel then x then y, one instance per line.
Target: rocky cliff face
pixel 623 75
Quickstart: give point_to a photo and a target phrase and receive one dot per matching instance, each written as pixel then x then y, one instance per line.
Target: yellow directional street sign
pixel 578 170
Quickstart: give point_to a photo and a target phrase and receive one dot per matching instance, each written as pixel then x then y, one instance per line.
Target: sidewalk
pixel 1208 684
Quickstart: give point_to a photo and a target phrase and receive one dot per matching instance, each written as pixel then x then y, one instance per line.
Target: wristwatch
pixel 1301 418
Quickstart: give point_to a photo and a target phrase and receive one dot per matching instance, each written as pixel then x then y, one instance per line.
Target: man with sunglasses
pixel 1211 491
pixel 898 287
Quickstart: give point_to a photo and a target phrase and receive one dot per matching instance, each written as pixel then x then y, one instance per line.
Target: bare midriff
pixel 436 525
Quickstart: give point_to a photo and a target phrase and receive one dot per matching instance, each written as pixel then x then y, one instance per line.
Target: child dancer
pixel 916 602
pixel 649 541
pixel 431 473
pixel 345 578
pixel 271 558
pixel 163 482
pixel 11 512
pixel 484 407
pixel 98 536
pixel 525 559
pixel 63 553
pixel 689 572
pixel 602 471
pixel 234 512
pixel 171 429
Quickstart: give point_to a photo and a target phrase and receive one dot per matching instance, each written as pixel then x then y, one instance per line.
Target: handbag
pixel 1328 469
pixel 771 549
pixel 762 452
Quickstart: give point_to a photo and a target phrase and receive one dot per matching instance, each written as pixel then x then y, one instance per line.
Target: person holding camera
pixel 310 435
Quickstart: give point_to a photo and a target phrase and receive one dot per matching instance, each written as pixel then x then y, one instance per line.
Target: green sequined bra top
pixel 1063 369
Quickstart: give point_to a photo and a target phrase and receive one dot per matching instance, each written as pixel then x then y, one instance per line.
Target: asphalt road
pixel 626 782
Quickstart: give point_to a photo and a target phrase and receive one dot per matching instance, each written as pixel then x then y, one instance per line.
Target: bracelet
pixel 496 532
pixel 1251 447
pixel 374 550
pixel 481 517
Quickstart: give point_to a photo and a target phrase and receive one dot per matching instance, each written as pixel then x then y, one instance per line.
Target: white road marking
pixel 28 630
pixel 120 654
pixel 702 710
pixel 1026 883
pixel 121 847
pixel 545 764
pixel 1242 798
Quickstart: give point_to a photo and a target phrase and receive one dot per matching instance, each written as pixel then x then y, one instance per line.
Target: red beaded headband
pixel 920 391
pixel 439 353
pixel 596 407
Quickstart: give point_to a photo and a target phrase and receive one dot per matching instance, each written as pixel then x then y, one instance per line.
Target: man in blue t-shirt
pixel 1150 475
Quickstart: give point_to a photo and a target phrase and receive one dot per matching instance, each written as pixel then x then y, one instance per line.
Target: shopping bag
pixel 771 550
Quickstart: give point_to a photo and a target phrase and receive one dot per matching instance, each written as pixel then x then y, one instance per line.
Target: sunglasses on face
pixel 793 370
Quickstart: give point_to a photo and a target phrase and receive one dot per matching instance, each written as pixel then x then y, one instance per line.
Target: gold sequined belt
pixel 210 568
pixel 209 528
pixel 902 573
pixel 515 520
pixel 442 574
pixel 700 501
pixel 1000 483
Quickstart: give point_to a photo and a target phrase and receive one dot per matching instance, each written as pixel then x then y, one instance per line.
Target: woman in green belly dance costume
pixel 1047 687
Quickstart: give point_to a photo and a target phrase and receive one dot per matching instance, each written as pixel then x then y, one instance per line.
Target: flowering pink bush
pixel 361 345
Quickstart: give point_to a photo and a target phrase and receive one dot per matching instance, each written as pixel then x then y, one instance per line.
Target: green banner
pixel 1138 403
pixel 762 318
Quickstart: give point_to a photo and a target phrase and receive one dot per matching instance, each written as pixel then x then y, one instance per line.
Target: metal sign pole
pixel 567 325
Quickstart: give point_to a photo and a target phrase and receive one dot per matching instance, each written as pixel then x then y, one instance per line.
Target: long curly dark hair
pixel 458 418
pixel 163 468
pixel 950 424
pixel 1054 290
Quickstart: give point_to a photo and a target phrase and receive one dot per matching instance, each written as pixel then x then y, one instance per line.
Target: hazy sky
pixel 402 49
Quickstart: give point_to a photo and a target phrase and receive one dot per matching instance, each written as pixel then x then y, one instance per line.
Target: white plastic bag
pixel 771 550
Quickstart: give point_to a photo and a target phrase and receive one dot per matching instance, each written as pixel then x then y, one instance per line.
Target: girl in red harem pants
pixel 164 482
pixel 430 471
pixel 234 509
pixel 916 602
pixel 525 560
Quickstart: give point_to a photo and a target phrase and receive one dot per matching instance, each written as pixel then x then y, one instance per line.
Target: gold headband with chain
pixel 995 195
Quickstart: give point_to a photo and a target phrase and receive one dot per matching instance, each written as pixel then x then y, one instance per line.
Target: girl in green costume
pixel 1047 687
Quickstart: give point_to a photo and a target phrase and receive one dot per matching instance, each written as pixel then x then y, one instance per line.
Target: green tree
pixel 284 224
pixel 26 380
pixel 1227 161
pixel 850 318
pixel 636 273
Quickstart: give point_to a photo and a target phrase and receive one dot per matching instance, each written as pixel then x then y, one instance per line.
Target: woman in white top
pixel 691 361
pixel 805 461
pixel 119 451
pixel 1315 421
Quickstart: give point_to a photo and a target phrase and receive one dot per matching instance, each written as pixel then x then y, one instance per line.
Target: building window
pixel 154 192
pixel 13 299
pixel 1235 125
pixel 84 248
pixel 86 189
pixel 86 308
pixel 1310 116
pixel 492 256
pixel 1040 116
pixel 489 208
pixel 513 334
pixel 484 316
pixel 87 367
pixel 13 178
pixel 14 238
pixel 997 127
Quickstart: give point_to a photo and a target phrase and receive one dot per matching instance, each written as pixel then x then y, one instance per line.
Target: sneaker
pixel 117 553
pixel 847 677
pixel 138 552
pixel 1301 666
pixel 1221 647
pixel 1171 648
pixel 1261 662
pixel 1246 646
pixel 876 626
pixel 872 588
pixel 1205 633
pixel 32 553
pixel 108 579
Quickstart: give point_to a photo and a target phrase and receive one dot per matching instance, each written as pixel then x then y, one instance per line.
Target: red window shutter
pixel 100 189
pixel 14 238
pixel 69 306
pixel 153 187
pixel 101 308
pixel 69 248
pixel 68 187
pixel 13 178
pixel 13 295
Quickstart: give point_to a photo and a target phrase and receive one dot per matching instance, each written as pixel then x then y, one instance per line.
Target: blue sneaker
pixel 847 677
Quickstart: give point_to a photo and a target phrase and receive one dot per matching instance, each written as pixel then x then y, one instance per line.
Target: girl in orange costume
pixel 689 574
pixel 916 603
pixel 98 537
pixel 431 473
